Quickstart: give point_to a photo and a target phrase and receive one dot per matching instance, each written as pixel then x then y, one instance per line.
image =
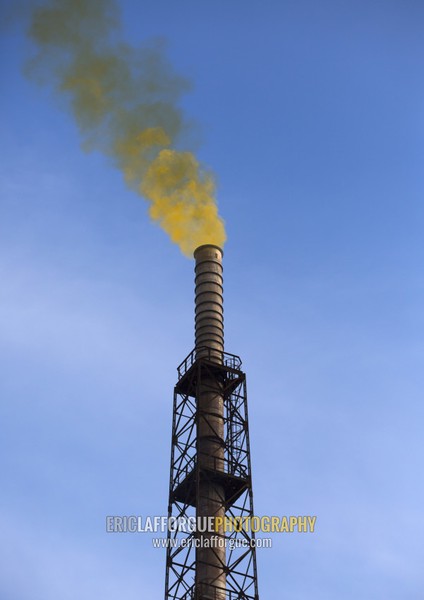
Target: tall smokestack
pixel 210 475
pixel 209 326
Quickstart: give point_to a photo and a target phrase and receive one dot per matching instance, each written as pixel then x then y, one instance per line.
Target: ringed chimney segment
pixel 209 302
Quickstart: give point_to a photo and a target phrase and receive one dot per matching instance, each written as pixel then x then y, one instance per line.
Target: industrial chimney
pixel 209 327
pixel 210 479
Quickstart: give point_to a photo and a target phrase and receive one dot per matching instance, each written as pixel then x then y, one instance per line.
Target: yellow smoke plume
pixel 125 102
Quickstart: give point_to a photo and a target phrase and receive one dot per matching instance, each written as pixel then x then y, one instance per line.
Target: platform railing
pixel 215 463
pixel 228 360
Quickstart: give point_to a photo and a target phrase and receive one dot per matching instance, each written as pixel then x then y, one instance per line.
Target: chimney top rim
pixel 204 246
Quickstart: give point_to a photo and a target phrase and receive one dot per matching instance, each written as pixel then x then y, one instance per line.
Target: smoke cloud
pixel 125 102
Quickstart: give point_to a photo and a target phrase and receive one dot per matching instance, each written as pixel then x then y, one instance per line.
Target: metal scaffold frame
pixel 231 474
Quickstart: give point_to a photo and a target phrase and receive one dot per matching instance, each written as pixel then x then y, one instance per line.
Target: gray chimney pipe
pixel 209 318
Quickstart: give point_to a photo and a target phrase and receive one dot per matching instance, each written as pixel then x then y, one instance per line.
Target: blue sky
pixel 311 114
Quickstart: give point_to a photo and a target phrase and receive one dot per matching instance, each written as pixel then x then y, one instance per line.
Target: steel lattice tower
pixel 210 457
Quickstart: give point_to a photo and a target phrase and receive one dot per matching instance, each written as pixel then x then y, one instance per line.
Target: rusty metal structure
pixel 210 472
